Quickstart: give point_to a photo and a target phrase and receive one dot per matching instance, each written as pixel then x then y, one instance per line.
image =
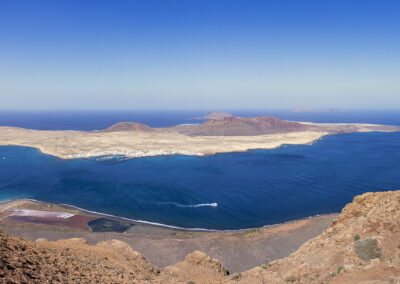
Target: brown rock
pixel 128 126
pixel 242 126
pixel 201 259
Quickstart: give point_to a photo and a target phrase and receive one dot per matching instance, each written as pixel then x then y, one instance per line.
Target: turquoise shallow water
pixel 223 191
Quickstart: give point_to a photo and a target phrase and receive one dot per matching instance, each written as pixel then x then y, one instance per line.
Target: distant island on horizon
pixel 215 115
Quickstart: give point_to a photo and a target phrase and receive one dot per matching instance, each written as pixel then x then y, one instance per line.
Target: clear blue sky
pixel 192 54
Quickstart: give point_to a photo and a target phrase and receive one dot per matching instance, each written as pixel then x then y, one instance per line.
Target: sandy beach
pixel 238 250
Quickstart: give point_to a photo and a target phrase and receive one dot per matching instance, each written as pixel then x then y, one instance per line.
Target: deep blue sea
pixel 95 120
pixel 223 191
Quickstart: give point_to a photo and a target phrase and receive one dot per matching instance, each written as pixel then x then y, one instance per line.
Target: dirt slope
pixel 361 246
pixel 71 261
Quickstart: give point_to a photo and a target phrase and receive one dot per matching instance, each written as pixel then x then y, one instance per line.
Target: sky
pixel 199 54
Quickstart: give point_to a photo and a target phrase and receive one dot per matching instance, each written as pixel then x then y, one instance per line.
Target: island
pixel 221 135
pixel 215 115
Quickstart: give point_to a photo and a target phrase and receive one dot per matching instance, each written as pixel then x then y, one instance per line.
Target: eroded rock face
pixel 367 249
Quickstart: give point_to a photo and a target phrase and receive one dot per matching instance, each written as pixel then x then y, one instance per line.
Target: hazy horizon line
pixel 205 109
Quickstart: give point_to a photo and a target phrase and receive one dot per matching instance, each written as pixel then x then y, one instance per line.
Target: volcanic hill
pixel 128 126
pixel 242 126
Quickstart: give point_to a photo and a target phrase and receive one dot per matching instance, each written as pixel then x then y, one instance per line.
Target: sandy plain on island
pixel 84 144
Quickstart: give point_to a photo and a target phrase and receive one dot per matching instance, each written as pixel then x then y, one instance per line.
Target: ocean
pixel 218 192
pixel 96 120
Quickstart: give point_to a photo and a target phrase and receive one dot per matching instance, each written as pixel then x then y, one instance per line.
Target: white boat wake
pixel 214 204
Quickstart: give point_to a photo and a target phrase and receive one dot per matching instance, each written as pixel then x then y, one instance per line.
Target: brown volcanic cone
pixel 128 126
pixel 242 126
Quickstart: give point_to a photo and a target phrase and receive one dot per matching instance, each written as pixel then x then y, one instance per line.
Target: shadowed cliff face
pixel 361 246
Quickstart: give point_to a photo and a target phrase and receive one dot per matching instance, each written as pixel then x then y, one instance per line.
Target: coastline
pixel 76 144
pixel 166 141
pixel 162 244
pixel 154 207
pixel 239 250
pixel 18 201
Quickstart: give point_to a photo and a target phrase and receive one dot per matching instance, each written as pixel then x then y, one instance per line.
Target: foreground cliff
pixel 361 246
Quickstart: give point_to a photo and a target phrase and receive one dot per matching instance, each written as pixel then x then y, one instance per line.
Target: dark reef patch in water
pixel 109 225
